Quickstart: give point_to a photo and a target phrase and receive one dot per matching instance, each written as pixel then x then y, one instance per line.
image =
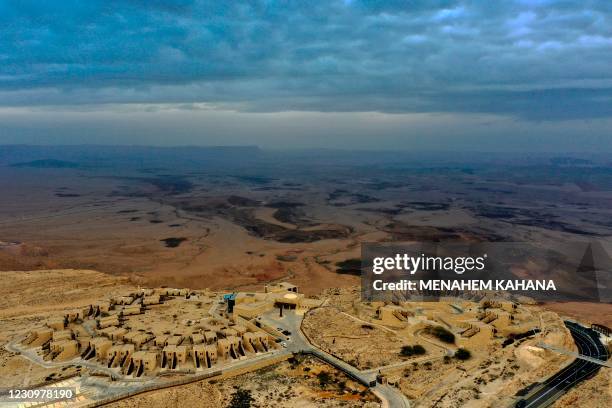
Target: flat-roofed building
pixel 210 337
pixel 113 333
pixel 223 347
pixel 39 336
pixel 62 335
pixel 250 310
pixel 117 354
pixel 108 321
pixel 153 299
pixel 123 300
pixel 160 341
pixel 137 338
pixel 255 342
pixel 204 355
pixel 174 340
pixel 97 347
pixel 227 332
pixel 239 329
pixel 73 315
pixel 104 306
pixel 236 347
pixel 174 356
pixel 57 323
pixel 63 349
pixel 176 292
pixel 281 287
pixel 130 310
pixel 144 362
pixel 197 338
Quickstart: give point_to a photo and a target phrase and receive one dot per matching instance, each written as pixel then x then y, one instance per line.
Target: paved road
pixel 574 354
pixel 298 343
pixel 588 344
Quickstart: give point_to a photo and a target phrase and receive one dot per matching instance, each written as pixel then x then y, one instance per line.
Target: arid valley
pixel 78 225
pixel 198 218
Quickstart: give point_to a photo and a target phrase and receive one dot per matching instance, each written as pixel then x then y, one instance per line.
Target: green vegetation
pixel 324 378
pixel 462 354
pixel 409 351
pixel 241 399
pixel 441 334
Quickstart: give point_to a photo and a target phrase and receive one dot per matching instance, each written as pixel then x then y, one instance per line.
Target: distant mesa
pixel 47 164
pixel 570 161
pixel 67 195
pixel 254 179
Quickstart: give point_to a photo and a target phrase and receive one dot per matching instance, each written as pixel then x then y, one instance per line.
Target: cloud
pixel 537 60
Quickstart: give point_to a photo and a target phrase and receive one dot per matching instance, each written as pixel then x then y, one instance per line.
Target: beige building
pixel 137 338
pixel 116 355
pixel 108 321
pixel 144 362
pixel 151 300
pixel 204 355
pixel 255 342
pixel 113 333
pixel 146 345
pixel 131 310
pixel 62 335
pixel 62 350
pixel 281 287
pixel 39 337
pixel 57 323
pixel 210 337
pixel 97 347
pixel 174 356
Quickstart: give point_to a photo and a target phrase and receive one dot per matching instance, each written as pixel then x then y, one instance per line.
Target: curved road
pixel 390 396
pixel 588 344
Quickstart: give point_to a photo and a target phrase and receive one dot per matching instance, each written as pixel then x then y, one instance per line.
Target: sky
pixel 516 75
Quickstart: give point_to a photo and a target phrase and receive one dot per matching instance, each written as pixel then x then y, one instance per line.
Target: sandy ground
pixel 482 381
pixel 600 313
pixel 28 299
pixel 489 378
pixel 284 385
pixel 115 223
pixel 361 345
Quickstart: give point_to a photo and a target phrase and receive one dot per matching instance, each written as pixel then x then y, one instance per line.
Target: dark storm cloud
pixel 543 60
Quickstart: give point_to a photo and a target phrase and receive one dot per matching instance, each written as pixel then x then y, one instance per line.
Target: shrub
pixel 324 378
pixel 241 399
pixel 441 333
pixel 406 351
pixel 462 354
pixel 416 350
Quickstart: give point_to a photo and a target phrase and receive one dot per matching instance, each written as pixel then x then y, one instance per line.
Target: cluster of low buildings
pixel 151 331
pixel 474 323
